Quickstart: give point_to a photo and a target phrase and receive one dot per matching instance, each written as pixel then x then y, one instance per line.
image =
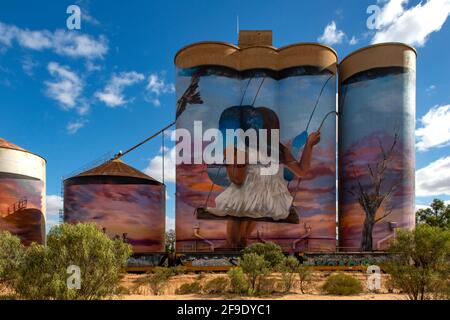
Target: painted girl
pixel 252 195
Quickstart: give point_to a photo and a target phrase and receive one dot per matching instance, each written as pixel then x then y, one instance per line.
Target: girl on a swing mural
pixel 252 194
pixel 234 200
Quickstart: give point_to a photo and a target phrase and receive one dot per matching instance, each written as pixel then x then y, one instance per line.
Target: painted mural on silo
pixel 376 146
pixel 226 206
pixel 22 193
pixel 124 208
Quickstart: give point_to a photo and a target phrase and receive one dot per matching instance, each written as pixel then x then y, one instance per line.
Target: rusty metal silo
pixel 22 193
pixel 124 202
pixel 376 145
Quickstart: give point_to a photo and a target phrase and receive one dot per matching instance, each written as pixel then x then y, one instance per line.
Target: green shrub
pixel 43 271
pixel 256 268
pixel 189 288
pixel 158 278
pixel 41 277
pixel 217 285
pixel 288 269
pixel 420 264
pixel 238 282
pixel 304 276
pixel 270 251
pixel 11 255
pixel 342 284
pixel 267 286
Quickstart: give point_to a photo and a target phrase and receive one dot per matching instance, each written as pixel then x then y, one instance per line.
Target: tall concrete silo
pixel 376 145
pixel 254 85
pixel 22 193
pixel 124 202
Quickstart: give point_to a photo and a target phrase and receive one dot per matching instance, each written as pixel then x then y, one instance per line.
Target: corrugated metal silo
pixel 22 193
pixel 122 201
pixel 376 145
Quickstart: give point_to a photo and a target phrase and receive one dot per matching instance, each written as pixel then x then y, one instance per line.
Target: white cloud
pixel 430 89
pixel 154 168
pixel 73 126
pixel 28 65
pixel 86 15
pixel 390 12
pixel 35 40
pixel 77 45
pixel 66 86
pixel 62 42
pixel 435 128
pixel 7 34
pixel 353 41
pixel 421 206
pixel 112 95
pixel 156 86
pixel 434 179
pixel 170 223
pixel 54 205
pixel 92 67
pixel 424 206
pixel 412 26
pixel 332 35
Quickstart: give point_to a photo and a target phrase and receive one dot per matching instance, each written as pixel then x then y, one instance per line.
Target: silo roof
pixel 9 145
pixel 117 168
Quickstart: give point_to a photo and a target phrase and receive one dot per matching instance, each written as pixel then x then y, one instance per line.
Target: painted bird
pixel 190 96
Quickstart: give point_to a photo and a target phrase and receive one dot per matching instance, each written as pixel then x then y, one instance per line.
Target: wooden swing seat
pixel 204 214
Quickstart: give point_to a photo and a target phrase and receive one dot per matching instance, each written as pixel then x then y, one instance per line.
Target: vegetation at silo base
pixel 437 215
pixel 421 264
pixel 238 281
pixel 11 253
pixel 258 263
pixel 304 276
pixel 256 269
pixel 40 272
pixel 269 251
pixel 342 285
pixel 288 269
pixel 189 288
pixel 158 279
pixel 217 285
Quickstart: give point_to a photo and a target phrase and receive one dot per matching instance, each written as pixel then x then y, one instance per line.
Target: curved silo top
pixel 9 145
pixel 389 54
pixel 263 55
pixel 116 168
pixel 14 159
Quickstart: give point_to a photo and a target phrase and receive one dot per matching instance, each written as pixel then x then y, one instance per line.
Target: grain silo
pixel 253 85
pixel 124 202
pixel 376 145
pixel 22 193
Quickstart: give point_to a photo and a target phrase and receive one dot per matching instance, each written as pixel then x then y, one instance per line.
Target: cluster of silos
pixel 376 145
pixel 22 193
pixel 289 91
pixel 124 202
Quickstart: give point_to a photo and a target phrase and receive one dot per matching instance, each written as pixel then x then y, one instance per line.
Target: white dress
pixel 260 196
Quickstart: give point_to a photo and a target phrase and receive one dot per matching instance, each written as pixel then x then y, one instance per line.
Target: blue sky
pixel 73 96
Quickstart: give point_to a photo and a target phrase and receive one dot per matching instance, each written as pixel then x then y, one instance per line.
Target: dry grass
pixel 135 288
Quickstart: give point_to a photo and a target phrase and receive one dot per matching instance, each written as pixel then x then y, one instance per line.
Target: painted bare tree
pixel 375 194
